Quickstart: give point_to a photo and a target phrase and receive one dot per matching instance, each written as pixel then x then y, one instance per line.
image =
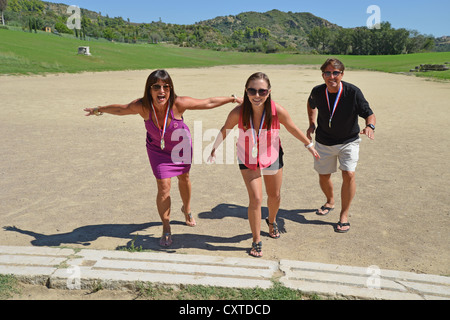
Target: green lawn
pixel 31 53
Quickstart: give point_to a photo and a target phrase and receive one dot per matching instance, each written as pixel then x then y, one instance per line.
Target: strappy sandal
pixel 256 250
pixel 189 216
pixel 275 234
pixel 166 240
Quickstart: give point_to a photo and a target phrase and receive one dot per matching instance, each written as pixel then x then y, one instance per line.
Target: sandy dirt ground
pixel 85 182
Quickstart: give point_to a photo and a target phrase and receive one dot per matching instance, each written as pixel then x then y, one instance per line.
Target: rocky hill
pixel 277 22
pixel 268 32
pixel 286 29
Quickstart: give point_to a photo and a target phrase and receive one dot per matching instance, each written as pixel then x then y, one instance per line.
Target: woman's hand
pixel 238 100
pixel 212 157
pixel 314 152
pixel 92 111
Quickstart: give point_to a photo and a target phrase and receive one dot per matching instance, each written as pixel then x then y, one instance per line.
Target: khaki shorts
pixel 348 155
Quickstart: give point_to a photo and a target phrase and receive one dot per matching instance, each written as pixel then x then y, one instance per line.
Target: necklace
pixel 163 143
pixel 255 142
pixel 338 97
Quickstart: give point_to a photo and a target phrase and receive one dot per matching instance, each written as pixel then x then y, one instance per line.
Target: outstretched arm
pixel 134 107
pixel 230 123
pixel 285 119
pixel 188 103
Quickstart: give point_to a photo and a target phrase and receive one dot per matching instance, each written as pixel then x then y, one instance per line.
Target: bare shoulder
pixel 137 107
pixel 233 117
pixel 236 112
pixel 281 111
pixel 279 107
pixel 183 102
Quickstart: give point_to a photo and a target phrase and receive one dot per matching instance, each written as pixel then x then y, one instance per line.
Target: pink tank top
pixel 268 143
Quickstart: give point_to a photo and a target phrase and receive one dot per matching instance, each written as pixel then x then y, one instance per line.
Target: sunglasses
pixel 157 87
pixel 260 92
pixel 334 73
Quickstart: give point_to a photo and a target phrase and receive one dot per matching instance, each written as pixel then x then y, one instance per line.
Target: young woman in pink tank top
pixel 259 151
pixel 169 144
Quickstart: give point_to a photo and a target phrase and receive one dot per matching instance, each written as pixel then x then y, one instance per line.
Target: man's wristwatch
pixel 371 126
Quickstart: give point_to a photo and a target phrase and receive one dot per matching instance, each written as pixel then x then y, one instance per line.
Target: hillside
pixel 60 9
pixel 288 28
pixel 277 22
pixel 442 44
pixel 53 54
pixel 270 32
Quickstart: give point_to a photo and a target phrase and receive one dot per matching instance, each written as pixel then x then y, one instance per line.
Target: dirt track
pixel 70 180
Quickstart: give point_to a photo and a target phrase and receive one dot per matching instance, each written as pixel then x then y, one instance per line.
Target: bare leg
pixel 327 188
pixel 163 203
pixel 348 192
pixel 273 189
pixel 185 187
pixel 253 182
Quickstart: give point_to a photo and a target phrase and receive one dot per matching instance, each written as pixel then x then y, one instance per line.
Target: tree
pixel 341 41
pixel 62 28
pixel 419 43
pixel 361 42
pixel 319 38
pixel 3 5
pixel 108 33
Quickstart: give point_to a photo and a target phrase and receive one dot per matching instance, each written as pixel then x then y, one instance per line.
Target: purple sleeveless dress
pixel 176 158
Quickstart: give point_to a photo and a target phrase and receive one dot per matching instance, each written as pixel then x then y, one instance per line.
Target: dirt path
pixel 69 180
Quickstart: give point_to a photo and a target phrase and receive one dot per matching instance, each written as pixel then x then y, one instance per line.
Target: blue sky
pixel 425 16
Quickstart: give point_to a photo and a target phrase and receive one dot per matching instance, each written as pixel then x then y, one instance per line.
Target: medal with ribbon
pixel 338 97
pixel 255 141
pixel 163 143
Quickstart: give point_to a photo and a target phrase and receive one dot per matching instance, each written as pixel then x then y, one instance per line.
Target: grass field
pixel 31 53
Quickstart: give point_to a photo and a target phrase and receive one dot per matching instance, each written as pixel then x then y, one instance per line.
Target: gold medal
pixel 163 144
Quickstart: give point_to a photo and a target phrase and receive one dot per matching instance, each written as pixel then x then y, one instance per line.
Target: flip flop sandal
pixel 256 247
pixel 340 224
pixel 324 208
pixel 273 235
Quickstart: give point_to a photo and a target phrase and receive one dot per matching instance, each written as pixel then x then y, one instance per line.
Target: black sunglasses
pixel 334 73
pixel 261 92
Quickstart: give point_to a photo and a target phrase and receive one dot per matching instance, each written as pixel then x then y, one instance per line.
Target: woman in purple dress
pixel 169 143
